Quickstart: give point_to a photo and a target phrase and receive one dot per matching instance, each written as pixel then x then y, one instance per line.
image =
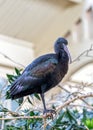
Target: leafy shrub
pixel 66 119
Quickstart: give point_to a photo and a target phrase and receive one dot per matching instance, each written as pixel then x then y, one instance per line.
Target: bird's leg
pixel 46 111
pixel 43 100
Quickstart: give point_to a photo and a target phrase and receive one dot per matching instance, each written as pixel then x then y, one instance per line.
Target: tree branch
pixel 10 59
pixel 63 88
pixel 57 109
pixel 74 99
pixel 86 53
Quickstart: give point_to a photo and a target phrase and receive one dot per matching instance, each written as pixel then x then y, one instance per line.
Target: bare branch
pixel 86 53
pixel 13 113
pixel 57 109
pixel 63 88
pixel 27 117
pixel 74 99
pixel 84 106
pixel 10 59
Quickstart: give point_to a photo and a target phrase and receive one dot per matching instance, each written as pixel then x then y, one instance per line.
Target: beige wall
pixel 38 21
pixel 21 52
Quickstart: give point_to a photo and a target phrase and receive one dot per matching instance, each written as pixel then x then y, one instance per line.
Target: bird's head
pixel 61 46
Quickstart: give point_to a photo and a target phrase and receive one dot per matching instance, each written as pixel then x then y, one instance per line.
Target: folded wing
pixel 33 77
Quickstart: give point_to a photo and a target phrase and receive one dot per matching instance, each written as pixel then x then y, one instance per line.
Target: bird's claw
pixel 49 113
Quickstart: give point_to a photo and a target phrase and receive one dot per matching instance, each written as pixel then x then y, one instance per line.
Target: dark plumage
pixel 43 73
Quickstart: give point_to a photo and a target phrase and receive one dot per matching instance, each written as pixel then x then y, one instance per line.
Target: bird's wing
pixel 23 86
pixel 33 75
pixel 44 68
pixel 42 59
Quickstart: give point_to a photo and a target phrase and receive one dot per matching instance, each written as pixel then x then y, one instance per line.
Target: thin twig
pixel 10 59
pixel 74 99
pixel 22 117
pixel 85 102
pixel 86 53
pixel 27 117
pixel 84 106
pixel 63 88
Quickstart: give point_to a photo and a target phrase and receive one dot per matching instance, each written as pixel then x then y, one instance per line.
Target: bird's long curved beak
pixel 67 51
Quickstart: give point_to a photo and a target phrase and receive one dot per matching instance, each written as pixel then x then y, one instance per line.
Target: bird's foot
pixel 49 113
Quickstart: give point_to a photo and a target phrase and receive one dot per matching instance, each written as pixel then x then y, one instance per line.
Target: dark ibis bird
pixel 43 73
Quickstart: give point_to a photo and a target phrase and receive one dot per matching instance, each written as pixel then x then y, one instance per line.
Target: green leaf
pixel 11 78
pixel 60 117
pixel 92 122
pixel 7 95
pixel 20 123
pixel 29 101
pixel 37 96
pixel 71 116
pixel 89 123
pixel 18 71
pixel 3 109
pixel 32 113
pixel 69 127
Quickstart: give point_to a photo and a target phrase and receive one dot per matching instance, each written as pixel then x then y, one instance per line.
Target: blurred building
pixel 29 28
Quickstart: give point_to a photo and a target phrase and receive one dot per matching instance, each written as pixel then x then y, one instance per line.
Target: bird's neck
pixel 63 57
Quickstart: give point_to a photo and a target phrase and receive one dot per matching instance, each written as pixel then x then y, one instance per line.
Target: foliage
pixel 66 119
pixel 25 124
pixel 88 119
pixel 11 79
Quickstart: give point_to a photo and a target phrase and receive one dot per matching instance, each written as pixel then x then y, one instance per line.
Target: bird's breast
pixel 55 77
